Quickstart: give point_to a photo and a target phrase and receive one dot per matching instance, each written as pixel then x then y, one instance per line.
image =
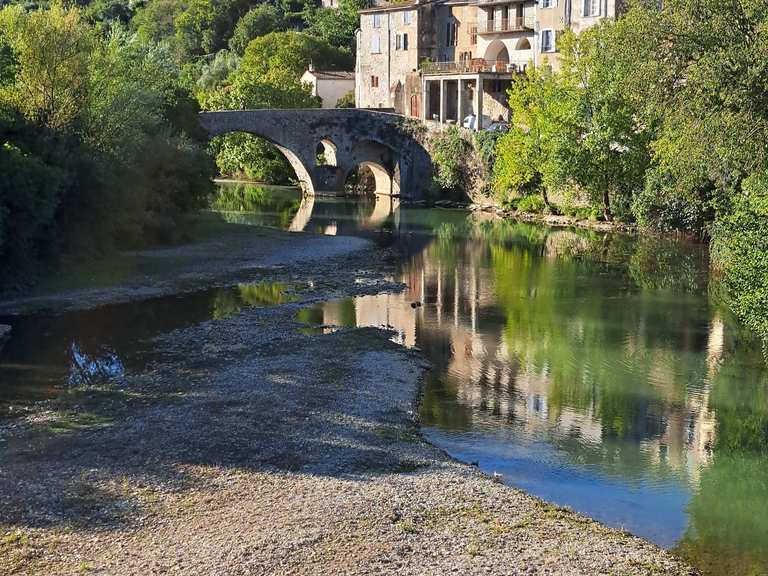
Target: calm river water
pixel 594 370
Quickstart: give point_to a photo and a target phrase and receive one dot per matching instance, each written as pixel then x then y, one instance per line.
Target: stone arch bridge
pixel 346 137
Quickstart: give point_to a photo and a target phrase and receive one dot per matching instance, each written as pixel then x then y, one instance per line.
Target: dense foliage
pixel 96 139
pixel 660 117
pixel 99 140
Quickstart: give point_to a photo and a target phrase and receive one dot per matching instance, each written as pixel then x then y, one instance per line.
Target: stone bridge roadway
pixel 347 137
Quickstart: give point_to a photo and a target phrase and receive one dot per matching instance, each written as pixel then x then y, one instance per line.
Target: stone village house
pixel 443 60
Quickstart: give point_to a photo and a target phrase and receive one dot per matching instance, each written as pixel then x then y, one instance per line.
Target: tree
pixel 606 154
pixel 336 26
pixel 258 21
pixel 50 49
pixel 532 157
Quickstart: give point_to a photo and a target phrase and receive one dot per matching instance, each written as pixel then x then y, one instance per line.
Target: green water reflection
pixel 595 370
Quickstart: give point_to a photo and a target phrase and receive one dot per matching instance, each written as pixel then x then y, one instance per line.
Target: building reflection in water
pixel 547 341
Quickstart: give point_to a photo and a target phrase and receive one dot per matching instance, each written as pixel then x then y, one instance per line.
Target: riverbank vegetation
pixel 658 118
pixel 99 141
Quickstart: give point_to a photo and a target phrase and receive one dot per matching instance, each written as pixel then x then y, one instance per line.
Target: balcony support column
pixel 442 100
pixel 460 103
pixel 479 102
pixel 424 98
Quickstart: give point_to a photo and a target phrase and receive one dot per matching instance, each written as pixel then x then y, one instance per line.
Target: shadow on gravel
pixel 226 395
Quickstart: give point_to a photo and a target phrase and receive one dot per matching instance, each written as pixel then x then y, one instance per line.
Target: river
pixel 595 370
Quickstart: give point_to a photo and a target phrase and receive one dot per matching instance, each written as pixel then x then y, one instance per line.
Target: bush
pixel 449 155
pixel 532 203
pixel 739 249
pixel 347 101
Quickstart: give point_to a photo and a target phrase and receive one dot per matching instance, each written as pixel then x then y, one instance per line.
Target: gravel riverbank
pixel 252 446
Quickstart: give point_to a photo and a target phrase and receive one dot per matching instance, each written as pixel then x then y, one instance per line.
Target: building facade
pixel 445 60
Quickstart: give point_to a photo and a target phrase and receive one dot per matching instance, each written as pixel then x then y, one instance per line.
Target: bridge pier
pixel 349 138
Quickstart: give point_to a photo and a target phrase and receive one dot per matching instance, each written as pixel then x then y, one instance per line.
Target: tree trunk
pixel 607 206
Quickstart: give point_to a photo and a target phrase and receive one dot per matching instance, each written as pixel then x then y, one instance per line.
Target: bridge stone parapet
pixel 348 137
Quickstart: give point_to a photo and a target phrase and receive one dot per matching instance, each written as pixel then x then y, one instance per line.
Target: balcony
pixel 518 24
pixel 474 66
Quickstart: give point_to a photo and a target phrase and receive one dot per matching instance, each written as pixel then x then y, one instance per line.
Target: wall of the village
pixel 382 65
pixel 519 45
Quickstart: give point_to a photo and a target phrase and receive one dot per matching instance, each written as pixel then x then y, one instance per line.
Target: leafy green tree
pixel 258 21
pixel 610 154
pixel 338 25
pixel 103 119
pixel 533 156
pixel 449 152
pixel 50 48
pixel 740 246
pixel 214 73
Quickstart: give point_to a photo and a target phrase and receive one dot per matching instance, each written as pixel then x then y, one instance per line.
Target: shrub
pixel 739 249
pixel 347 101
pixel 449 155
pixel 533 203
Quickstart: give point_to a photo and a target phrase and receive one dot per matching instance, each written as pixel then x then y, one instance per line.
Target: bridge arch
pixel 355 137
pixel 327 150
pixel 381 176
pixel 302 172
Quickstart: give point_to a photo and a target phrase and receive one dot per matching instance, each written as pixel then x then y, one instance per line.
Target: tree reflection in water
pixel 599 369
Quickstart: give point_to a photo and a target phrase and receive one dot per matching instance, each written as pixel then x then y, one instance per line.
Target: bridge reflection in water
pixel 288 208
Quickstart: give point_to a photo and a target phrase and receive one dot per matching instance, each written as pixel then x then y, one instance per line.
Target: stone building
pixel 445 60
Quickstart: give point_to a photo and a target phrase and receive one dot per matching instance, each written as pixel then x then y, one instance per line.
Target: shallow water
pixel 594 370
pixel 50 353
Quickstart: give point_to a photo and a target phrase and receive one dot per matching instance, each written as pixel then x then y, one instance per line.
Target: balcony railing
pixel 496 26
pixel 474 66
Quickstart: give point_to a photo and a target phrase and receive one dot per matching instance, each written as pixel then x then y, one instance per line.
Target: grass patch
pixel 15 552
pixel 407 525
pixel 66 422
pixel 474 548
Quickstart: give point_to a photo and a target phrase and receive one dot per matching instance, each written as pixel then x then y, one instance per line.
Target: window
pixel 401 41
pixel 374 81
pixel 407 17
pixel 473 35
pixel 405 41
pixel 591 7
pixel 377 20
pixel 551 3
pixel 547 41
pixel 451 37
pixel 375 44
